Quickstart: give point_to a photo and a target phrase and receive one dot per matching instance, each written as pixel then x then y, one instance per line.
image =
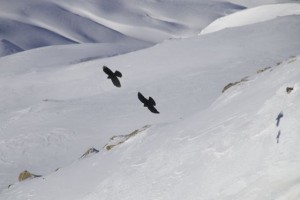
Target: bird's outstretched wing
pixel 107 70
pixel 153 109
pixel 142 98
pixel 116 81
pixel 118 74
pixel 151 101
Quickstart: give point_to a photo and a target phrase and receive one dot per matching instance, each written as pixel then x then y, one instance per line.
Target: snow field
pixel 205 144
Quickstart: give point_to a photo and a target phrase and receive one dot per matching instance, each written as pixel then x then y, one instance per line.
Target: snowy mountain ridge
pixel 252 15
pixel 33 23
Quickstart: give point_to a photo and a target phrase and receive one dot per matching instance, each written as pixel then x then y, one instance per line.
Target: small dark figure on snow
pixel 113 76
pixel 280 115
pixel 148 103
pixel 278 136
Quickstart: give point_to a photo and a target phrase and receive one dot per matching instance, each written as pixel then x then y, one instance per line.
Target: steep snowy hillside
pixel 230 150
pixel 51 113
pixel 228 100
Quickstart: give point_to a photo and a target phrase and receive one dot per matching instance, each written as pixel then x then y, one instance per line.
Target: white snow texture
pixel 56 102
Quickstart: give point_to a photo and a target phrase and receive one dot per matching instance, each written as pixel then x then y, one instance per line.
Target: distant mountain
pixel 35 23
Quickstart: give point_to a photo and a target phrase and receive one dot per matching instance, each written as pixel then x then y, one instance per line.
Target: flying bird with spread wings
pixel 113 76
pixel 148 103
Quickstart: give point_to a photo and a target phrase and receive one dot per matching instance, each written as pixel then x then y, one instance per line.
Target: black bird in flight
pixel 113 76
pixel 148 103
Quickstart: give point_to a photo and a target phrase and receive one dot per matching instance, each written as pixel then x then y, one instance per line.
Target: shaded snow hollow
pixel 7 48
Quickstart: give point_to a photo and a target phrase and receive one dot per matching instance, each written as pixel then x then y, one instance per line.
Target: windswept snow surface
pixel 203 145
pixel 253 15
pixel 56 103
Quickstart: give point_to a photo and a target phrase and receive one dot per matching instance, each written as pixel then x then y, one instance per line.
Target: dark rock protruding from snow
pixel 27 175
pixel 89 152
pixel 229 85
pixel 262 70
pixel 117 140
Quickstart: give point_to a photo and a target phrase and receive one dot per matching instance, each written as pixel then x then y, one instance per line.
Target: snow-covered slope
pixel 34 23
pixel 255 3
pixel 253 15
pixel 56 103
pixel 62 55
pixel 7 48
pixel 51 114
pixel 31 24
